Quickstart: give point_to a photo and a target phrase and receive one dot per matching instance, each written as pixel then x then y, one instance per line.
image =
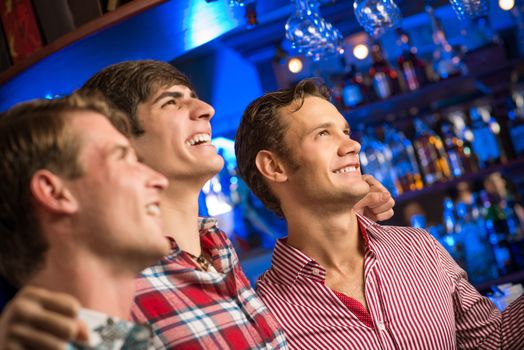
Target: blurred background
pixel 434 91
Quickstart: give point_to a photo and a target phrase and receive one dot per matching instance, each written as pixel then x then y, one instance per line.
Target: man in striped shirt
pixel 340 281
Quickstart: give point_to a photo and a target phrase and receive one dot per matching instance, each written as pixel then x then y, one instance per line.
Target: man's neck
pixel 333 239
pixel 180 215
pixel 97 287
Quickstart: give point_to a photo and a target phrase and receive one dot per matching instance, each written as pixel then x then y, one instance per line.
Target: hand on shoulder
pixel 40 319
pixel 378 204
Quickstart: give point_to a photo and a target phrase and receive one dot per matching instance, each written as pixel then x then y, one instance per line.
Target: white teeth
pixel 348 169
pixel 198 138
pixel 153 209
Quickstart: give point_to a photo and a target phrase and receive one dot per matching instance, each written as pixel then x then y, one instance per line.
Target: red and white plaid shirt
pixel 193 309
pixel 418 298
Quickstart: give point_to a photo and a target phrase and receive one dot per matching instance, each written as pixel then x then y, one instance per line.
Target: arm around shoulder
pixel 40 319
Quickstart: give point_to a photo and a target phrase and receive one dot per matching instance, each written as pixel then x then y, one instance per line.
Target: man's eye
pixel 169 102
pixel 128 156
pixel 348 133
pixel 323 133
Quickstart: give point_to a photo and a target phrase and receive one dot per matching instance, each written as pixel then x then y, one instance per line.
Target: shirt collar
pixel 289 262
pixel 364 225
pixel 205 224
pixel 122 331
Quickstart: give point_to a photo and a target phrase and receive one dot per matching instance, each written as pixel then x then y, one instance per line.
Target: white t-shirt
pixel 110 333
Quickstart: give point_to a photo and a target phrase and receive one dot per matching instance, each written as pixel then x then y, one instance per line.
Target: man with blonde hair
pixel 79 216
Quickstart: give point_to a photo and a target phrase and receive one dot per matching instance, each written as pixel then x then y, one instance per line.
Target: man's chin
pixel 360 189
pixel 202 174
pixel 214 168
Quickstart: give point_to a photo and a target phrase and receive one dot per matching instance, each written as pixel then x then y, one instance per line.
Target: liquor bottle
pixel 498 189
pixel 486 142
pixel 515 228
pixel 353 88
pixel 518 13
pixel 464 133
pixel 413 69
pixel 404 160
pixel 385 78
pixel 497 231
pixel 20 27
pixel 431 154
pixel 478 33
pixel 515 123
pixel 375 159
pixel 452 239
pixel 478 256
pixel 446 61
pixel 461 161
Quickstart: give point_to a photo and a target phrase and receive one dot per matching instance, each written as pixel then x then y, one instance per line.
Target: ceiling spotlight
pixel 506 5
pixel 242 3
pixel 360 51
pixel 294 65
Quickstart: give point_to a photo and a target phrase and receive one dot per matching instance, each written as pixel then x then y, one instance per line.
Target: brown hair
pixel 262 128
pixel 35 135
pixel 127 84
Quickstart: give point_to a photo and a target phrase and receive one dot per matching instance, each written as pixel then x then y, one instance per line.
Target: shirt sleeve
pixel 479 324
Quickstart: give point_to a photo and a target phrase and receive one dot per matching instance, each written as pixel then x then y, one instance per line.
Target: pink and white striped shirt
pixel 418 298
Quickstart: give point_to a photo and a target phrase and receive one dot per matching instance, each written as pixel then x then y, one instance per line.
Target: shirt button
pixel 381 326
pixel 315 271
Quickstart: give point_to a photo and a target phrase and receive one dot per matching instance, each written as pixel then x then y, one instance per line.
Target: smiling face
pixel 177 138
pixel 118 197
pixel 319 142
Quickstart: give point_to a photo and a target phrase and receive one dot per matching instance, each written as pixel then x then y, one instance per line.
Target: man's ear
pixel 270 166
pixel 50 191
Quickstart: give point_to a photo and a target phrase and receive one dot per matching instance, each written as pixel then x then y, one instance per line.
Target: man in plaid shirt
pixel 197 297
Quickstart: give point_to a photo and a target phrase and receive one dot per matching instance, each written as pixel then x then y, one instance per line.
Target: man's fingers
pixel 15 345
pixel 385 215
pixel 376 200
pixel 54 313
pixel 66 328
pixel 377 206
pixel 32 338
pixel 378 203
pixel 374 184
pixel 381 208
pixel 61 303
pixel 383 211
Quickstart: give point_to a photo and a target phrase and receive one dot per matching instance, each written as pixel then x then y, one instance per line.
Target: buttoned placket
pixel 248 311
pixel 378 312
pixel 370 290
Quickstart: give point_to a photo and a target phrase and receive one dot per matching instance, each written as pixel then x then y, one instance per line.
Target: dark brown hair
pixel 127 84
pixel 262 128
pixel 35 135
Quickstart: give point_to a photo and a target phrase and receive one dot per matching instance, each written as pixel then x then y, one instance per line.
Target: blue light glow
pixel 226 147
pixel 206 21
